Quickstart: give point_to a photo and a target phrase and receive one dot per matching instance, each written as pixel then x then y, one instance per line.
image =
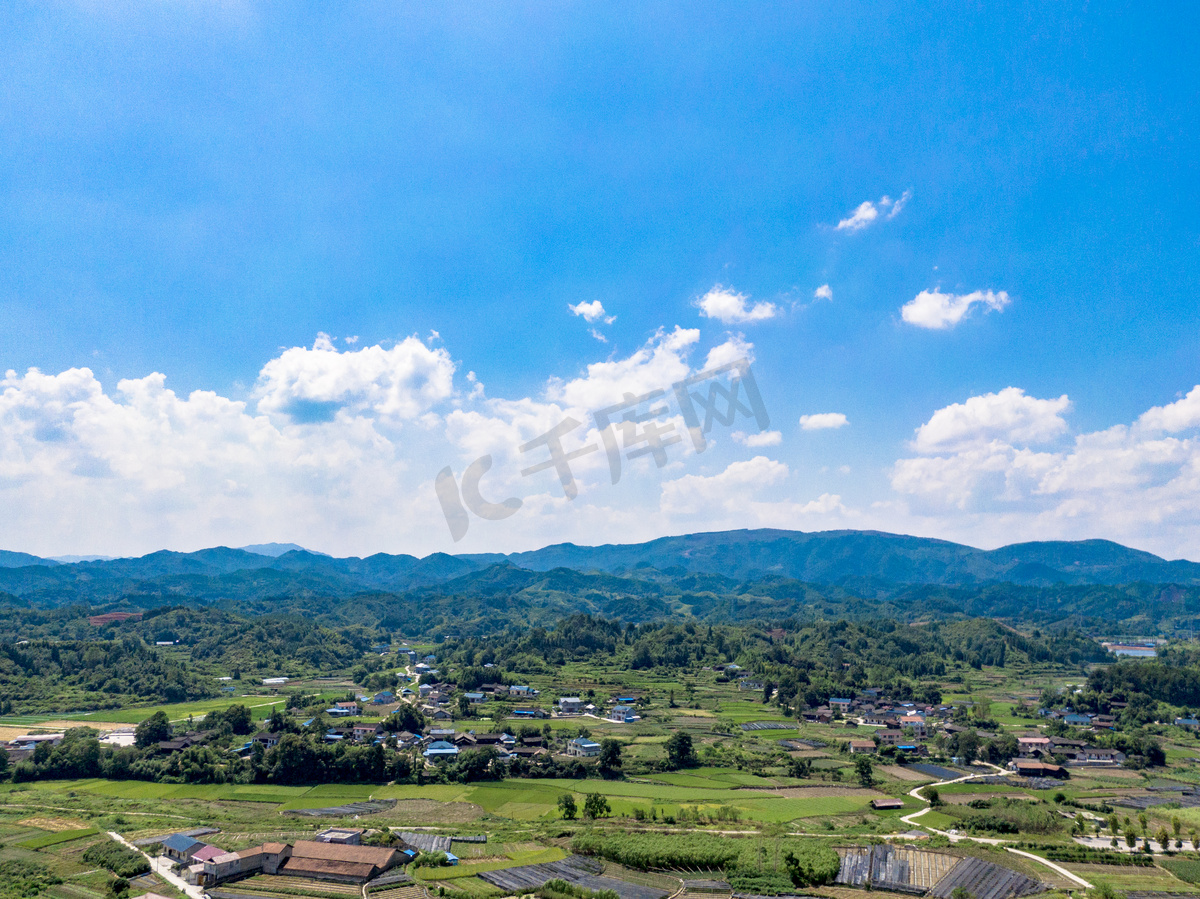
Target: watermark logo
pixel 636 426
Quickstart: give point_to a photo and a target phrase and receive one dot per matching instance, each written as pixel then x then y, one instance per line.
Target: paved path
pixel 955 837
pixel 162 867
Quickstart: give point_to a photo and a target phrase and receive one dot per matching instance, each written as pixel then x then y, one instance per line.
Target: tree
pixel 865 770
pixel 680 753
pixel 566 805
pixel 239 718
pixel 1164 839
pixel 961 893
pixel 464 706
pixel 595 806
pixel 153 730
pixel 610 755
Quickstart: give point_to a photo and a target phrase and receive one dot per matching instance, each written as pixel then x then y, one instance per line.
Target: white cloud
pixel 592 312
pixel 1009 415
pixel 315 385
pixel 1180 415
pixel 867 213
pixel 722 493
pixel 937 311
pixel 990 476
pixel 824 292
pixel 765 438
pixel 823 421
pixel 732 350
pixel 730 308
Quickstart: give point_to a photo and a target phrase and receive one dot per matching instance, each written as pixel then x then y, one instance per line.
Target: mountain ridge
pixel 821 557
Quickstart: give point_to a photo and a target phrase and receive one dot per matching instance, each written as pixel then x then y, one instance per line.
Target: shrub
pixel 122 861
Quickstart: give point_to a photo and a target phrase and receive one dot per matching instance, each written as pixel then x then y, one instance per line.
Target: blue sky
pixel 192 194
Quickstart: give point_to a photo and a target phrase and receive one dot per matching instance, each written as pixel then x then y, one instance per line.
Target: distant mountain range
pixel 826 557
pixel 758 575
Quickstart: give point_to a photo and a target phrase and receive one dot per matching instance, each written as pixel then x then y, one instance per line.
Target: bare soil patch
pixel 429 811
pixel 54 825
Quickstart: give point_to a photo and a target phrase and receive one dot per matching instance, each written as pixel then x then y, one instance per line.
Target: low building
pixel 570 705
pixel 1031 768
pixel 440 751
pixel 476 698
pixel 343 836
pixel 623 714
pixel 889 803
pixel 890 737
pixel 841 704
pixel 861 747
pixel 179 848
pixel 582 747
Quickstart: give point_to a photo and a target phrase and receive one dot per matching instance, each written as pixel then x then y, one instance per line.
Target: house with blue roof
pixel 582 747
pixel 440 750
pixel 180 848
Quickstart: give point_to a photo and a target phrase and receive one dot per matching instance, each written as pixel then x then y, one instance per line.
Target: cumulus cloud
pixel 1181 415
pixel 1009 415
pixel 730 307
pixel 721 493
pixel 823 421
pixel 592 312
pixel 937 311
pixel 867 213
pixel 314 385
pixel 824 292
pixel 765 438
pixel 999 463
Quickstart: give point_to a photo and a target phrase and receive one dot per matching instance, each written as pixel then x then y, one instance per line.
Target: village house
pixel 331 861
pixel 890 737
pixel 859 747
pixel 1033 745
pixel 1031 768
pixel 475 698
pixel 916 722
pixel 842 705
pixel 582 747
pixel 440 751
pixel 522 691
pixel 570 705
pixel 366 731
pixel 179 848
pixel 1094 755
pixel 384 697
pixel 623 714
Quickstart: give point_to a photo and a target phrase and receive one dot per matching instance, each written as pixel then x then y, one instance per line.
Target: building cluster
pixel 334 855
pixel 909 726
pixel 620 709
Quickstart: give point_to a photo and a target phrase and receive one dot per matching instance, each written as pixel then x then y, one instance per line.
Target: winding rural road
pixel 911 820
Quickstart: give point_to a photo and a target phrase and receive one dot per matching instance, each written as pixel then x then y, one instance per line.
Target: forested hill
pixel 730 576
pixel 827 557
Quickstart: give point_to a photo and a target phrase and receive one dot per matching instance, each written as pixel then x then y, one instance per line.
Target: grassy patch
pixel 53 839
